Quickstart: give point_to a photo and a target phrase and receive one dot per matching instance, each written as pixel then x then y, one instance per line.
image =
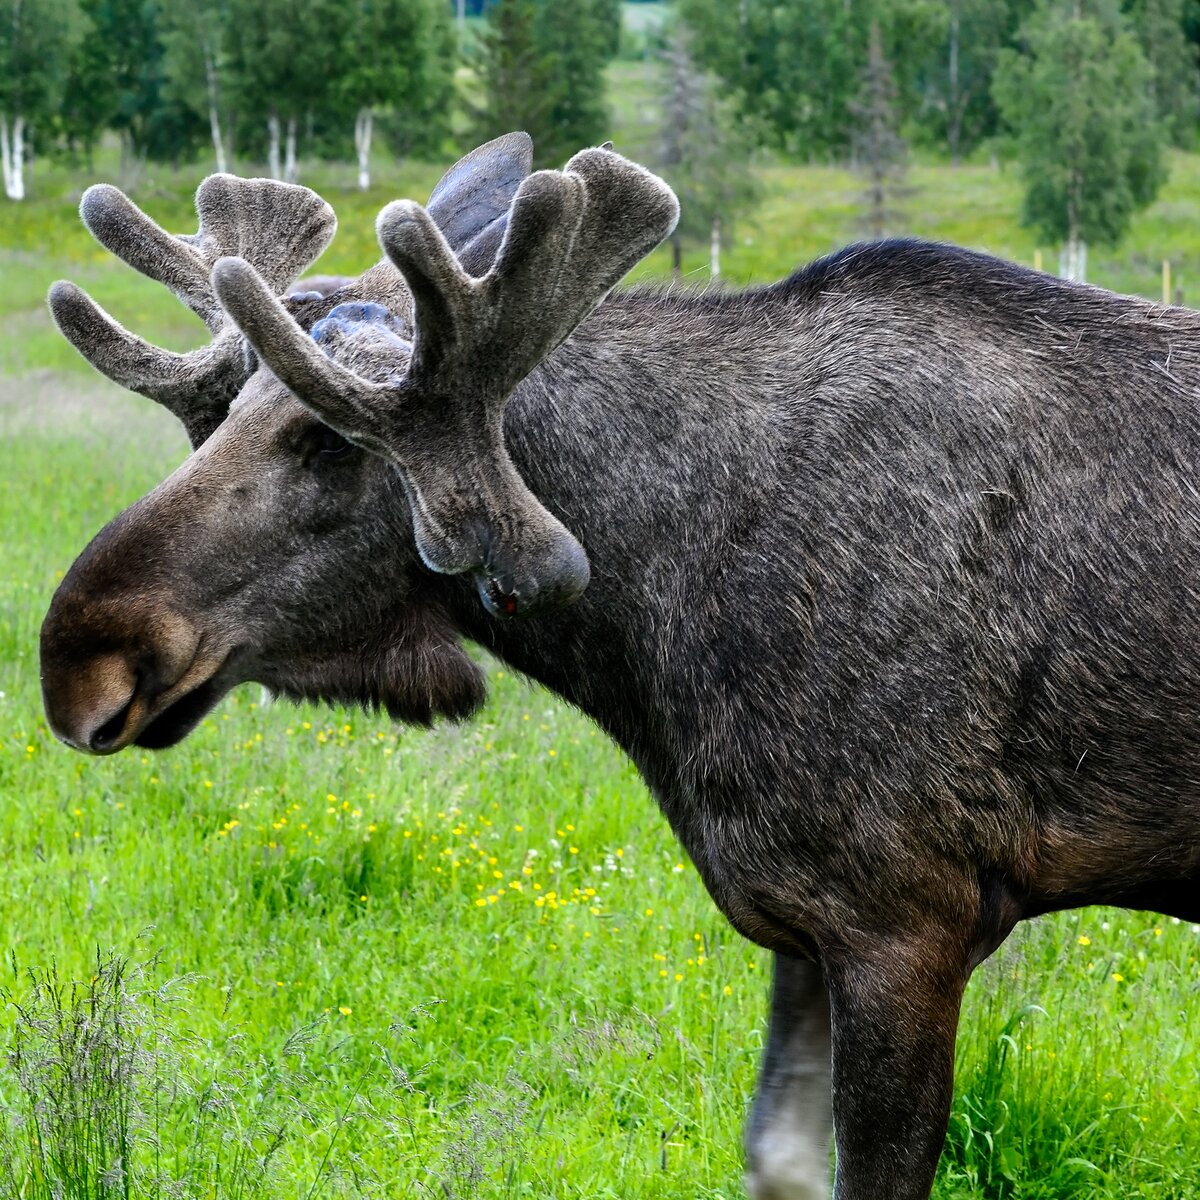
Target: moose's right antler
pixel 438 414
pixel 280 227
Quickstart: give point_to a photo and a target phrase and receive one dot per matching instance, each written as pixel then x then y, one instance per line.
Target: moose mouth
pixel 141 715
pixel 179 718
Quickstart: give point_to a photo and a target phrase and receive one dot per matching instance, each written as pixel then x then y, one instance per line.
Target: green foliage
pixel 954 65
pixel 120 71
pixel 398 55
pixel 541 69
pixel 517 74
pixel 35 43
pixel 194 33
pixel 1160 29
pixel 1080 105
pixel 791 67
pixel 282 56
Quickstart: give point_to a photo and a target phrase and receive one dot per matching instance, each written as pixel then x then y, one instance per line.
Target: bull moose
pixel 884 575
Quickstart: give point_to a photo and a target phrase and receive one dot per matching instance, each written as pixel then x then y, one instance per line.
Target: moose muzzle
pixel 122 670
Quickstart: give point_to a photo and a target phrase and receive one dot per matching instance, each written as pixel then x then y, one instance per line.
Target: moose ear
pixel 479 189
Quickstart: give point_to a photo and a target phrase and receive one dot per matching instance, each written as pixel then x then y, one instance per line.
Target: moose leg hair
pixel 788 1136
pixel 894 1009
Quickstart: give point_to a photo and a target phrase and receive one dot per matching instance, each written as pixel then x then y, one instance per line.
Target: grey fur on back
pixel 912 536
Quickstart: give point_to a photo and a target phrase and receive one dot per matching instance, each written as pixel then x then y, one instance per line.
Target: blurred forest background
pixel 1084 96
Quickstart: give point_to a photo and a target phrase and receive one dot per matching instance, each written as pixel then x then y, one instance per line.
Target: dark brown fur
pixel 893 603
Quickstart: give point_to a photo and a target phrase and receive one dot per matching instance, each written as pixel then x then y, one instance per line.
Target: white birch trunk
pixel 214 116
pixel 362 144
pixel 291 172
pixel 714 250
pixel 273 167
pixel 12 154
pixel 1072 260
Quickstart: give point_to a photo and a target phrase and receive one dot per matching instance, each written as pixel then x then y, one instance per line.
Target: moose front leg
pixel 894 1017
pixel 787 1140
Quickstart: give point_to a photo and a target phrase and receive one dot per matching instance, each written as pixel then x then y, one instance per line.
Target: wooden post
pixel 1037 260
pixel 1166 280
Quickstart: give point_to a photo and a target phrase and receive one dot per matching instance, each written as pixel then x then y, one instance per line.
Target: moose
pixel 883 575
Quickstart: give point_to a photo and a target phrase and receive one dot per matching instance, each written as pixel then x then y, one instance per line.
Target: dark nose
pixel 535 583
pixel 107 661
pixel 93 708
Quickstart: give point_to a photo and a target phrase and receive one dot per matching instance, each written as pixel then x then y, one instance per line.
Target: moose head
pixel 348 452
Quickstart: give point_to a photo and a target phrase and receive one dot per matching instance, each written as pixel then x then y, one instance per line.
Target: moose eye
pixel 326 443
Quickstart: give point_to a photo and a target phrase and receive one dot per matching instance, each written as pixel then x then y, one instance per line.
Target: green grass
pixel 300 869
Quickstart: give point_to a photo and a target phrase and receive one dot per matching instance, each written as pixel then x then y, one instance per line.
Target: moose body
pixel 892 601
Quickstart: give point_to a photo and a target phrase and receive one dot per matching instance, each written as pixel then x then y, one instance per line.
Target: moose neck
pixel 659 452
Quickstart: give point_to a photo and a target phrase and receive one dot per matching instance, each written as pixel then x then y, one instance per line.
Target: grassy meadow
pixel 309 954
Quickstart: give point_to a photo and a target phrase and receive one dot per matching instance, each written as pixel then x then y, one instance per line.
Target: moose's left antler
pixel 279 226
pixel 437 409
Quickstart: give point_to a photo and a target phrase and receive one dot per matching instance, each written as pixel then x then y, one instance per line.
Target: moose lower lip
pixel 176 721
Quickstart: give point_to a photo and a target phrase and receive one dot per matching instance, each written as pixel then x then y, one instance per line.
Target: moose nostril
pixel 106 736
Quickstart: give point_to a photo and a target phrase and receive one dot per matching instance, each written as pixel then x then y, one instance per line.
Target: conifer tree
pixel 397 55
pixel 700 154
pixel 542 67
pixel 880 151
pixel 519 79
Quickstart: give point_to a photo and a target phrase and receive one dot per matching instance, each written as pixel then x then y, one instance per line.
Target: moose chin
pixel 884 575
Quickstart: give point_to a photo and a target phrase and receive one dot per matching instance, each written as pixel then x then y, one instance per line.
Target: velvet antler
pixel 279 227
pixel 437 411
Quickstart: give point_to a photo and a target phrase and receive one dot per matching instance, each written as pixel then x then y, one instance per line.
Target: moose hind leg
pixel 787 1140
pixel 894 1015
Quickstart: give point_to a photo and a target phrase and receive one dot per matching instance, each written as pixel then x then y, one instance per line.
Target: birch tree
pixel 195 33
pixel 396 55
pixel 1081 107
pixel 34 45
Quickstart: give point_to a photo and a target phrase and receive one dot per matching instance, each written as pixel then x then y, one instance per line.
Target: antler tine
pixel 461 318
pixel 193 387
pixel 349 403
pixel 282 226
pixel 571 236
pixel 440 288
pixel 124 230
